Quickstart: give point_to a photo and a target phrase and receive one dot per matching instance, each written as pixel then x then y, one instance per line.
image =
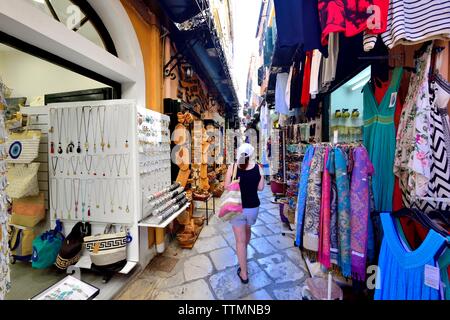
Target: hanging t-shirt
pixel 306 80
pixel 280 92
pixel 411 22
pixel 315 69
pixel 347 16
pixel 329 64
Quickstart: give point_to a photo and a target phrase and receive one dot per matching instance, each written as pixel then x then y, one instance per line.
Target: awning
pixel 180 10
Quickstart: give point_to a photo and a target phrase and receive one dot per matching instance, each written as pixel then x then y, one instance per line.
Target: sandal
pixel 239 275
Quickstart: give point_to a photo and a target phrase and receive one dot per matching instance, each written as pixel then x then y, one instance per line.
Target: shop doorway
pixel 34 83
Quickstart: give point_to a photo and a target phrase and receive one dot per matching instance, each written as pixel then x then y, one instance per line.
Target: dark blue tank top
pixel 249 180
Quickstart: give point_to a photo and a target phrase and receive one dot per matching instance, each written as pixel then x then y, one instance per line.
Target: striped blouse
pixel 413 21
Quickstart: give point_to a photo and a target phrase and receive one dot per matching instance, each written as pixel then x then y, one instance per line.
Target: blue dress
pixel 401 274
pixel 302 193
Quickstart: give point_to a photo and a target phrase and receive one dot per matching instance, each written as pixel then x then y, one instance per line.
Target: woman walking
pixel 251 180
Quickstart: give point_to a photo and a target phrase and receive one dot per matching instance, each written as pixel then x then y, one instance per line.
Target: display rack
pixel 151 221
pixel 93 166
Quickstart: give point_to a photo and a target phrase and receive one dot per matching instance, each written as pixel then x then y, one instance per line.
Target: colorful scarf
pixel 360 207
pixel 302 187
pixel 344 226
pixel 313 202
pixel 325 215
pixel 334 243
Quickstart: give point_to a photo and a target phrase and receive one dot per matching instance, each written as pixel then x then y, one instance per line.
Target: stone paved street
pixel 208 271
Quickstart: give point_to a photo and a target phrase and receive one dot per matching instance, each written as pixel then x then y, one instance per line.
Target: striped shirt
pixel 413 21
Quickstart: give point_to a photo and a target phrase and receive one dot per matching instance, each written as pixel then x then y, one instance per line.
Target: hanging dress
pixel 439 183
pixel 405 134
pixel 334 242
pixel 379 140
pixel 401 273
pixel 302 193
pixel 325 215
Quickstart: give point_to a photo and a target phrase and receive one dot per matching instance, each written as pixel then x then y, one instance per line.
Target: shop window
pixel 79 17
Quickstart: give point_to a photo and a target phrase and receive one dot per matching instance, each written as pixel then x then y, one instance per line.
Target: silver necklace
pixel 54 164
pixel 126 162
pixel 111 194
pixel 77 195
pixel 110 164
pixel 91 182
pixel 79 125
pixel 74 167
pixel 105 196
pixel 95 130
pixel 70 144
pixel 98 193
pixel 120 164
pixel 54 197
pixel 127 209
pixel 86 127
pixel 88 167
pixel 68 204
pixel 83 199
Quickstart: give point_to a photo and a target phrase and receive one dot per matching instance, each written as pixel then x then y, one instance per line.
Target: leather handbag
pixel 22 180
pixel 231 201
pixel 70 251
pixel 107 249
pixel 28 211
pixel 23 147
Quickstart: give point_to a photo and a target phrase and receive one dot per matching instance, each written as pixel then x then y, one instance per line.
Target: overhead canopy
pixel 180 10
pixel 205 55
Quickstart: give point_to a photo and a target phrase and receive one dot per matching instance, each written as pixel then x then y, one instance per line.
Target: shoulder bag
pixel 231 200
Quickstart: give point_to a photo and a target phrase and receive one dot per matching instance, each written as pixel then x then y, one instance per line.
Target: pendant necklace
pixel 68 204
pixel 102 127
pixel 54 197
pixel 110 164
pixel 62 165
pixel 108 128
pixel 120 163
pixel 116 126
pixel 88 167
pixel 105 196
pixel 98 192
pixel 86 128
pixel 95 129
pixel 111 194
pixel 76 192
pixel 60 125
pixel 90 183
pixel 126 162
pixel 127 209
pixel 52 131
pixel 74 166
pixel 83 198
pixel 79 125
pixel 70 144
pixel 95 162
pixel 54 160
pixel 120 195
pixel 127 123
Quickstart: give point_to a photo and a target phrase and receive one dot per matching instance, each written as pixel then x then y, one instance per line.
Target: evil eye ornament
pixel 15 150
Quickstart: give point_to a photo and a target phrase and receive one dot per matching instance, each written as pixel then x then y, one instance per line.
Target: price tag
pixel 393 100
pixel 432 277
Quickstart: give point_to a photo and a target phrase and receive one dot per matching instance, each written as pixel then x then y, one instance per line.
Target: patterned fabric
pixel 301 202
pixel 360 207
pixel 344 226
pixel 439 184
pixel 405 133
pixel 325 215
pixel 313 202
pixel 334 242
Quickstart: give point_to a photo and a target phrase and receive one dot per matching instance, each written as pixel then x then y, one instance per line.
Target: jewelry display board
pixel 93 157
pixel 154 155
pixel 90 158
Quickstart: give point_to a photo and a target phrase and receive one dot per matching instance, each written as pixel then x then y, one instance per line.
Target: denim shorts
pixel 247 217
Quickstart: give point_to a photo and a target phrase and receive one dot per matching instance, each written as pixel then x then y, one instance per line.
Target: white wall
pixel 29 76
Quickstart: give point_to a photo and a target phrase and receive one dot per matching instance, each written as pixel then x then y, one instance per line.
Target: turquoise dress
pixel 400 274
pixel 379 139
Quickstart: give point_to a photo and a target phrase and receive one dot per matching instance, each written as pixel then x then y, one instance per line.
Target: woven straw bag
pixel 231 201
pixel 23 147
pixel 22 180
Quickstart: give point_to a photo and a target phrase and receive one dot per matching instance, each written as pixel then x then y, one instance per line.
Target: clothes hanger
pixel 420 218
